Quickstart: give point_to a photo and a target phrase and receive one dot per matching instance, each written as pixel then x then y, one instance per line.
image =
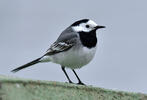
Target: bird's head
pixel 85 25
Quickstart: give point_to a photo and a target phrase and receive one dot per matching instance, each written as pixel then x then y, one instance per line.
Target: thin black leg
pixel 63 69
pixel 80 82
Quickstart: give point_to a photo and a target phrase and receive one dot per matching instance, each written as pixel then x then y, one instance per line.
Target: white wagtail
pixel 74 48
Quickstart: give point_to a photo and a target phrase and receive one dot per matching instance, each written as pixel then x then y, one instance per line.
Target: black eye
pixel 87 26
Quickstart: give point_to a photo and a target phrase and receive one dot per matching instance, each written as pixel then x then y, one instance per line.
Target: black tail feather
pixel 26 65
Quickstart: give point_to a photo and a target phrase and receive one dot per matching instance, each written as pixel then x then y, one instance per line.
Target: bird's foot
pixel 70 82
pixel 80 83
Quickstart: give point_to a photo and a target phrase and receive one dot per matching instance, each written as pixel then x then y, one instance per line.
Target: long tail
pixel 27 65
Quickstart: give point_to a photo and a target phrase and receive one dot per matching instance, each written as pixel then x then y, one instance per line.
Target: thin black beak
pixel 98 27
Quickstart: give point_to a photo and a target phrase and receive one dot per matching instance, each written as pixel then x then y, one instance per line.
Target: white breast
pixel 74 58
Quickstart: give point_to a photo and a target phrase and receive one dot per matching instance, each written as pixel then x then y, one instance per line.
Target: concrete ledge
pixel 22 89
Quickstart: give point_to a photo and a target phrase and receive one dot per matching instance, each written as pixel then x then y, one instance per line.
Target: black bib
pixel 88 39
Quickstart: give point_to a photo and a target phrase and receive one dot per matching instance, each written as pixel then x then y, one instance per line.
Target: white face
pixel 85 27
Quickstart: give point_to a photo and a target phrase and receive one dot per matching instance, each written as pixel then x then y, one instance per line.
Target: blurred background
pixel 29 27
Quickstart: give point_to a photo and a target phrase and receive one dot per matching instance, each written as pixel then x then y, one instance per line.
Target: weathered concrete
pixel 22 89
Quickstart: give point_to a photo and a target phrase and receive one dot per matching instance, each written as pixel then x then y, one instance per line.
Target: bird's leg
pixel 63 69
pixel 80 82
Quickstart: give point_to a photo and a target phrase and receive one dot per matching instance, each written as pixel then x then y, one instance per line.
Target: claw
pixel 80 83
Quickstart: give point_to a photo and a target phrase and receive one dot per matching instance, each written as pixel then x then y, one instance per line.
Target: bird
pixel 74 48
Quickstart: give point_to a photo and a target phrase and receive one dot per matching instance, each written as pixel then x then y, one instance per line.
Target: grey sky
pixel 29 27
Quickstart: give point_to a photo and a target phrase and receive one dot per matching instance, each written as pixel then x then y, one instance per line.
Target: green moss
pixel 22 89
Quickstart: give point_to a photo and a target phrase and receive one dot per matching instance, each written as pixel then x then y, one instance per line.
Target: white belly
pixel 73 58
